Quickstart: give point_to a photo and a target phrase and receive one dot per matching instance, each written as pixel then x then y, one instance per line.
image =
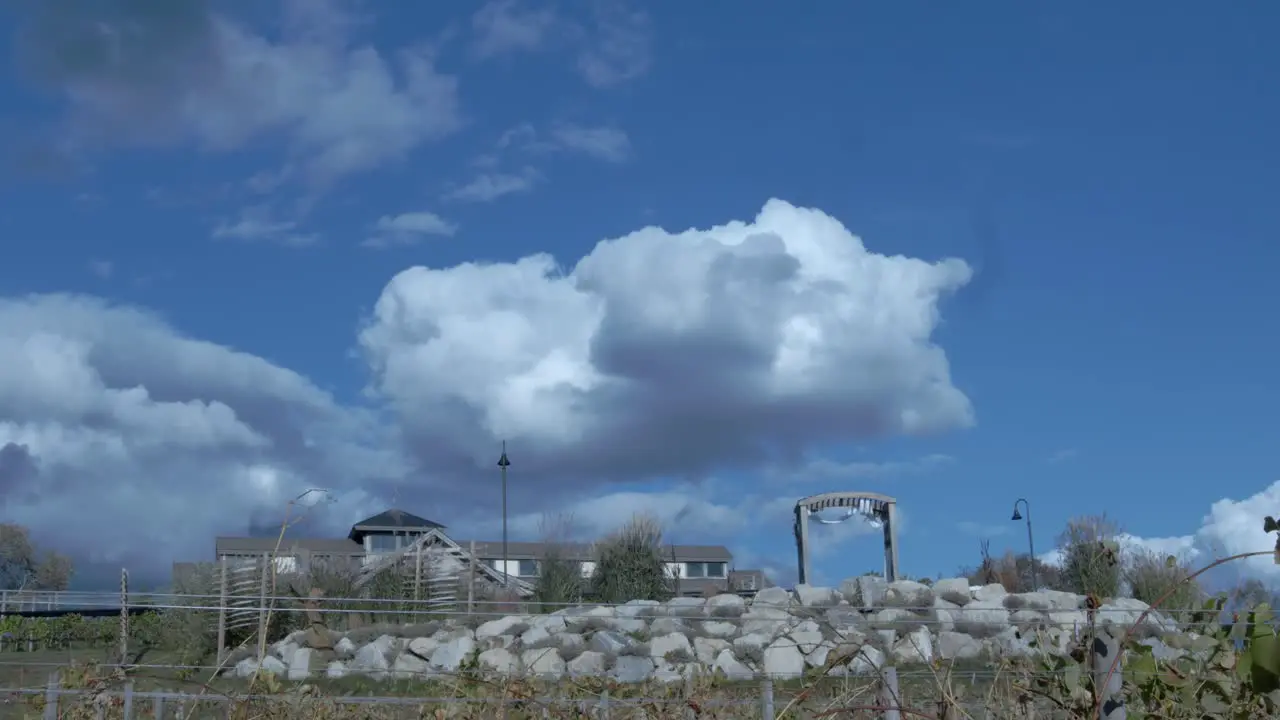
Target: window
pixel 704 569
pixel 382 543
pixel 527 568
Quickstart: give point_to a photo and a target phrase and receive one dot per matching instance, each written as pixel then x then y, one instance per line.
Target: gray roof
pixel 246 545
pixel 490 549
pixel 395 519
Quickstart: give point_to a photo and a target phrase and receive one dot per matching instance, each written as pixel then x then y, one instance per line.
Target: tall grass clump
pixel 1150 575
pixel 1090 562
pixel 630 565
pixel 560 581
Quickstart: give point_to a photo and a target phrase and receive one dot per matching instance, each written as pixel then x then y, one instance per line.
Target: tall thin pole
pixel 1031 543
pixel 503 464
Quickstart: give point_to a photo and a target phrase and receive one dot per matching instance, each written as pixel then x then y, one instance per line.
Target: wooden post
pixel 689 712
pixel 417 575
pixel 471 577
pixel 127 710
pixel 889 697
pixel 124 616
pixel 1110 692
pixel 51 697
pixel 262 608
pixel 159 705
pixel 222 609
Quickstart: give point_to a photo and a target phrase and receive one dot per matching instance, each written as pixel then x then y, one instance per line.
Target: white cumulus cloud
pixel 666 352
pixel 126 443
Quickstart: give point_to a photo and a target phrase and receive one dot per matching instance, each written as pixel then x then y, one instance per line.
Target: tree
pixel 629 564
pixel 1013 571
pixel 22 566
pixel 1091 563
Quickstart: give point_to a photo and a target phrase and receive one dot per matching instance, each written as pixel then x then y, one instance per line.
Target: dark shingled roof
pixel 393 519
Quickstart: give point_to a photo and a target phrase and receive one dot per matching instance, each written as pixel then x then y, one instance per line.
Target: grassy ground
pixel 455 698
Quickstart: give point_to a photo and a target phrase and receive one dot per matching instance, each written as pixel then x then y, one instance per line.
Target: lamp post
pixel 1031 543
pixel 503 464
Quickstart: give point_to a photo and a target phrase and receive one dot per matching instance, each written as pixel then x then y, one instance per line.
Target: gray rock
pixel 773 598
pixel 246 668
pixel 345 649
pixel 686 607
pixel 609 642
pixel 726 605
pixel 782 659
pixel 543 662
pixel 819 597
pixel 982 618
pixel 588 663
pixel 871 590
pixel 632 669
pixel 499 626
pixel 706 650
pixel 869 660
pixel 300 663
pixel 718 629
pixel 408 665
pixel 914 649
pixel 371 659
pixel 958 646
pixel 667 625
pixel 450 656
pixel 664 645
pixel 729 666
pixel 994 591
pixel 953 590
pixel 273 665
pixel 908 594
pixel 499 660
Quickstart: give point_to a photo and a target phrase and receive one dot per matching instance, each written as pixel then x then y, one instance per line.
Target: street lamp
pixel 503 464
pixel 1031 543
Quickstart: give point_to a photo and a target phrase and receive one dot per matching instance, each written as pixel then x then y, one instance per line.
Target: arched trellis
pixel 880 509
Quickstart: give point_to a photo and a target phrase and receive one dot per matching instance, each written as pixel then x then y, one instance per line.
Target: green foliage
pixel 630 565
pixel 1091 563
pixel 23 565
pixel 559 580
pixel 1151 576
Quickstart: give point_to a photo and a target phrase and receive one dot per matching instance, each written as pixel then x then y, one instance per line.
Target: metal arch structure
pixel 877 508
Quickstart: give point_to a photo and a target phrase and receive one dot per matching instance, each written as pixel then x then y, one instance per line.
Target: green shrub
pixel 1151 575
pixel 630 565
pixel 1091 562
pixel 559 580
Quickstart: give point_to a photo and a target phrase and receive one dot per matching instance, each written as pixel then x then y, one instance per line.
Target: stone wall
pixel 865 623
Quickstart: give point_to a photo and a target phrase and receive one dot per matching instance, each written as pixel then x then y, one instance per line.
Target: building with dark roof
pixel 699 568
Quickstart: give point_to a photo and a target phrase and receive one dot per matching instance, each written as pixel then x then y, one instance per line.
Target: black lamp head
pixel 1016 515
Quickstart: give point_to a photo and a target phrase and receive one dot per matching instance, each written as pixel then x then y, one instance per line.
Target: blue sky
pixel 224 210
